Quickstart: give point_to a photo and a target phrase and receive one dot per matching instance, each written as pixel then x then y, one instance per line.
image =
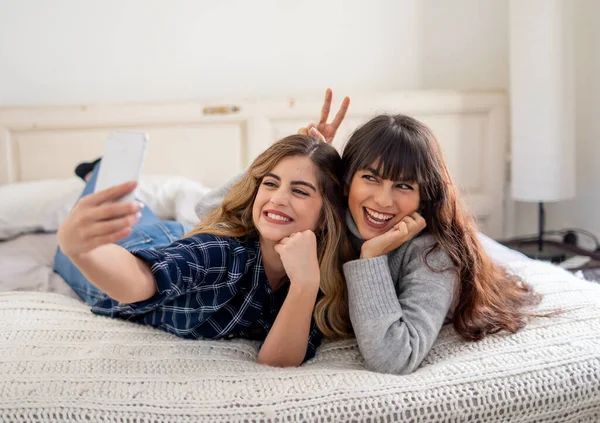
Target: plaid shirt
pixel 208 287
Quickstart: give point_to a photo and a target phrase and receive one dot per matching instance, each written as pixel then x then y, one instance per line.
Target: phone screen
pixel 122 161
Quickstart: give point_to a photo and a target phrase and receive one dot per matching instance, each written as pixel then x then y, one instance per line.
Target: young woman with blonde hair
pixel 266 265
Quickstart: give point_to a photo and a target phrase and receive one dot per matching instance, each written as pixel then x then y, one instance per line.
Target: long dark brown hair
pixel 487 298
pixel 234 218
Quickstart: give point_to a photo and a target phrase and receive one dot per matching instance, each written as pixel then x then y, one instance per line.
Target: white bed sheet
pixel 26 265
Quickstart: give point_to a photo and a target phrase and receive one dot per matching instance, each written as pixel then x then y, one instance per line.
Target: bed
pixel 59 362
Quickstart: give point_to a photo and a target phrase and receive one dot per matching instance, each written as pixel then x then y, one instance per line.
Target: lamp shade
pixel 541 100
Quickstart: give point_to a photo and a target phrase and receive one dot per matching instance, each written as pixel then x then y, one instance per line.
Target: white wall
pixel 90 51
pixel 105 51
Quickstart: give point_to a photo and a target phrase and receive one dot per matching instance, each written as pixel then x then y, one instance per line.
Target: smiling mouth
pixel 277 218
pixel 375 219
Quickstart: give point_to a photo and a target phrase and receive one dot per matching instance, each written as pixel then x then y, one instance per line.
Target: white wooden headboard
pixel 212 141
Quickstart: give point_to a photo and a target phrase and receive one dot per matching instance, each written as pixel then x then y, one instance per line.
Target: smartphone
pixel 122 161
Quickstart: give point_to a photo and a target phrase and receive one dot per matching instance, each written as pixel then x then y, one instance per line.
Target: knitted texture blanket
pixel 59 362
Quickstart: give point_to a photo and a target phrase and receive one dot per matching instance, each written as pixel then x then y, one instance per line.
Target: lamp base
pixel 539 249
pixel 552 252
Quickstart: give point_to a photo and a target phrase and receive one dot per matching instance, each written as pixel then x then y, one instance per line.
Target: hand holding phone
pixel 98 219
pixel 108 215
pixel 122 161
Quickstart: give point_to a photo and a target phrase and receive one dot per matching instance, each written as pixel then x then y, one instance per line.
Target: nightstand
pixel 558 252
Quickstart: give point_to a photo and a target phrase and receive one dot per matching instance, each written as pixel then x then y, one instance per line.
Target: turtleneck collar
pixel 357 240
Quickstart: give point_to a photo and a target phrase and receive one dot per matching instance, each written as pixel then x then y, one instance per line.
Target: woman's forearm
pixel 117 272
pixel 287 340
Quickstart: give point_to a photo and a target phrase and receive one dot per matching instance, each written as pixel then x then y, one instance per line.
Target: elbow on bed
pixel 135 294
pixel 400 369
pixel 278 361
pixel 381 361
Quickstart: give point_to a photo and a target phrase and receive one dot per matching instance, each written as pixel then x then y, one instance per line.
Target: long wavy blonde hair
pixel 234 219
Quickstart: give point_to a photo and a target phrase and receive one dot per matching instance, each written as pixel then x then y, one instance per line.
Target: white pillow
pixel 172 197
pixel 36 206
pixel 42 205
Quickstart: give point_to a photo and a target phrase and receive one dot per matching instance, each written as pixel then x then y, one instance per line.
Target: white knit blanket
pixel 59 362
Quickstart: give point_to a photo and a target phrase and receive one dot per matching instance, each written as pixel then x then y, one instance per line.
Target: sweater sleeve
pixel 396 329
pixel 213 199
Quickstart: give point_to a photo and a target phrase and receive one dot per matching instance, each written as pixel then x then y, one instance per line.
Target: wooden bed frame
pixel 212 141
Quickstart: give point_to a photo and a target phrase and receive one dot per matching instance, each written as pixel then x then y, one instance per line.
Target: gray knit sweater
pixel 397 304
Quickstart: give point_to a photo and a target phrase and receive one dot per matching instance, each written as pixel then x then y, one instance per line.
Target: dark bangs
pixel 398 151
